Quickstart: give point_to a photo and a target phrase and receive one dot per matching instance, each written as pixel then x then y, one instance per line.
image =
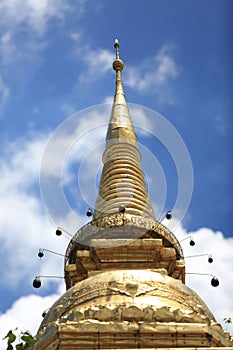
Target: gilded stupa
pixel 126 281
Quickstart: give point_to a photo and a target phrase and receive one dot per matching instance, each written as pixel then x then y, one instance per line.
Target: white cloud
pixel 35 14
pixel 4 94
pixel 76 36
pixel 7 46
pixel 25 314
pixel 152 72
pixel 29 18
pixel 74 145
pixel 24 25
pixel 140 118
pixel 108 99
pixel 210 242
pixel 24 226
pixel 75 132
pixel 97 62
pixel 166 66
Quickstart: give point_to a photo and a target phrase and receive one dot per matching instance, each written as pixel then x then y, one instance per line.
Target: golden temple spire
pixel 120 125
pixel 122 181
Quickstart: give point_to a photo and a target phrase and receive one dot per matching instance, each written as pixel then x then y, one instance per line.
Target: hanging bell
pixel 41 253
pixel 36 282
pixel 169 215
pixel 89 212
pixel 192 243
pixel 215 282
pixel 58 232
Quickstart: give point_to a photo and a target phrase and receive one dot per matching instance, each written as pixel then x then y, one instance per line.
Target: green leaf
pixel 11 337
pixel 29 340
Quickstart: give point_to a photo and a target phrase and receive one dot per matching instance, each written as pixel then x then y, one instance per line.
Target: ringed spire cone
pixel 122 181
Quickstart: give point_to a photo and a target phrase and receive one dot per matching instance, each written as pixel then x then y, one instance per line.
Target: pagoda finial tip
pixel 116 43
pixel 118 64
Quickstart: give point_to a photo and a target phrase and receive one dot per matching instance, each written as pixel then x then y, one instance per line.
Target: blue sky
pixel 55 60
